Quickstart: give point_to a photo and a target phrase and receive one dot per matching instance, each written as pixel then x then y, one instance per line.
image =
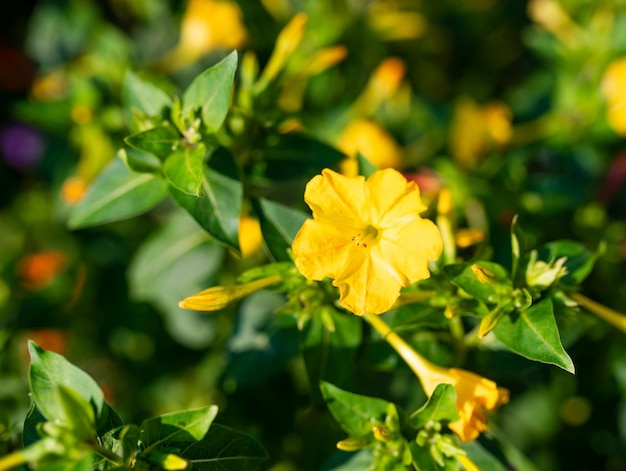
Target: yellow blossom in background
pixel 392 22
pixel 286 42
pixel 368 236
pixel 382 85
pixel 250 237
pixel 73 190
pixel 475 395
pixel 550 15
pixel 614 91
pixel 207 25
pixel 373 142
pixel 476 130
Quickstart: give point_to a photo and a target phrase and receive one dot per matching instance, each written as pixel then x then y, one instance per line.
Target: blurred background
pixel 518 107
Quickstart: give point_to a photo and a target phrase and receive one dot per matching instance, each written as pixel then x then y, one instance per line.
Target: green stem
pixel 616 319
pixel 414 360
pixel 114 458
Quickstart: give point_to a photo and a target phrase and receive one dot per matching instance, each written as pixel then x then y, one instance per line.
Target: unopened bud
pixel 352 444
pixel 484 274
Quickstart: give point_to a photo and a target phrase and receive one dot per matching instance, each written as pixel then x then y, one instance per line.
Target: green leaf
pixel 140 97
pixel 218 210
pixel 176 427
pixel 210 92
pixel 355 414
pixel 328 355
pixel 261 345
pixel 533 334
pixel 579 260
pixel 518 248
pixel 366 168
pixel 165 269
pixel 81 420
pixel 160 141
pixel 440 406
pixel 486 454
pixel 184 169
pixel 279 225
pixel 225 449
pixel 139 161
pixel 422 458
pixel 117 193
pixel 50 371
pixel 296 155
pixel 491 292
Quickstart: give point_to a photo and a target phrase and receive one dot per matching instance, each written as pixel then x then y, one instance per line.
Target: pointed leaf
pixel 518 248
pixel 184 169
pixel 49 371
pixel 366 167
pixel 117 193
pixel 218 211
pixel 441 405
pixel 533 334
pixel 176 427
pixel 279 225
pixel 139 161
pixel 355 414
pixel 328 355
pixel 225 449
pixel 160 141
pixel 488 291
pixel 210 92
pixel 141 97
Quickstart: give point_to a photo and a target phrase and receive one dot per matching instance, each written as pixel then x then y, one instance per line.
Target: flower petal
pixel 321 249
pixel 407 249
pixel 367 289
pixel 388 190
pixel 335 198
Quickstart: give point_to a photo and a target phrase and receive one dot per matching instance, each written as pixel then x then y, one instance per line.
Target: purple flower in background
pixel 21 146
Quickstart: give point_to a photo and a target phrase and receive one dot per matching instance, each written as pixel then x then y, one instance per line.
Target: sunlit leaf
pixel 210 92
pixel 441 405
pixel 279 225
pixel 533 334
pixel 118 193
pixel 355 414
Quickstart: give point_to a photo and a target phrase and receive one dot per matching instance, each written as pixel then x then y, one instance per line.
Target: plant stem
pixel 616 319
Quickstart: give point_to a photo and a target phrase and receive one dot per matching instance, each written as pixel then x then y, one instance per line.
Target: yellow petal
pixel 321 249
pixel 367 288
pixel 336 198
pixel 408 248
pixel 391 198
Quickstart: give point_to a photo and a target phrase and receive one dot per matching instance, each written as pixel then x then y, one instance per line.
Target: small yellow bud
pixel 467 237
pixel 484 274
pixel 444 203
pixel 174 462
pixel 287 41
pixel 218 297
pixel 352 444
pixel 382 433
pixel 489 322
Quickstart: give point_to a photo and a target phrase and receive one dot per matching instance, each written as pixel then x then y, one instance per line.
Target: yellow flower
pixel 250 236
pixel 477 129
pixel 614 90
pixel 373 142
pixel 475 394
pixel 367 236
pixel 206 26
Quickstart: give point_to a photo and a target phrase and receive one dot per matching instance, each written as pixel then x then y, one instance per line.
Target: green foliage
pixel 185 133
pixel 71 427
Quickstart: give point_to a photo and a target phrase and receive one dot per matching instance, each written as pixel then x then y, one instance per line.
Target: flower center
pixel 366 237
